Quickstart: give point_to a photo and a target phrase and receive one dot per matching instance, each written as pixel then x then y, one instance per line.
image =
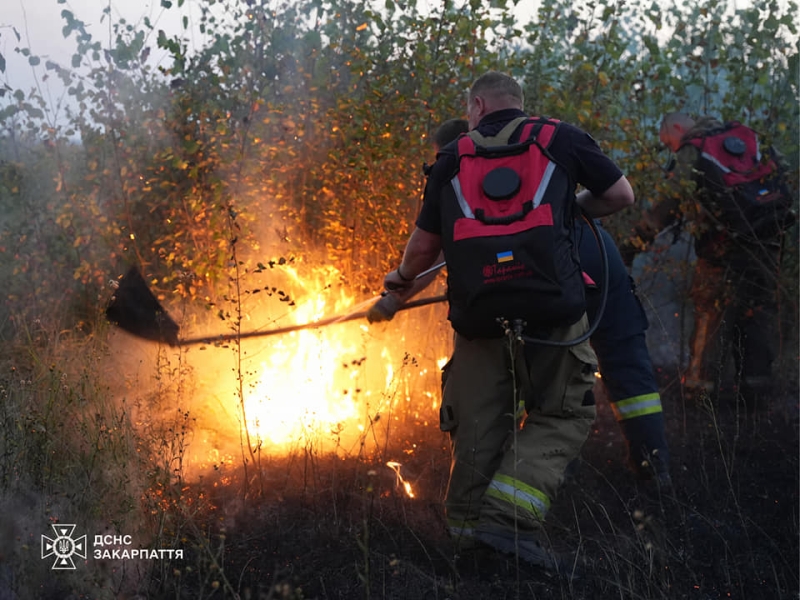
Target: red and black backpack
pixel 507 223
pixel 743 189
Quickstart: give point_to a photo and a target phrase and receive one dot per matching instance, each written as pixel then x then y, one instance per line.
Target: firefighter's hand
pixel 655 500
pixel 395 282
pixel 384 309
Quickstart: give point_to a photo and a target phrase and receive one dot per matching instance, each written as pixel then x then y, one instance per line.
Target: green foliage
pixel 616 68
pixel 309 122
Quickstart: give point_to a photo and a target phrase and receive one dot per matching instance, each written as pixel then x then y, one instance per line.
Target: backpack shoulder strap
pixel 501 139
pixel 538 129
pixel 542 130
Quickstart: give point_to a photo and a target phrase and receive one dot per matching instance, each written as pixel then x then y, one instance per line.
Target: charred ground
pixel 327 528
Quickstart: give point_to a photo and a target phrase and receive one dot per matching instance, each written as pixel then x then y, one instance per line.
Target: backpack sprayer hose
pixel 603 298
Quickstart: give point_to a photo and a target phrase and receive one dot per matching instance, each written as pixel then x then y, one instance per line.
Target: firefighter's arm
pixel 390 302
pixel 663 214
pixel 615 198
pixel 421 251
pixel 667 208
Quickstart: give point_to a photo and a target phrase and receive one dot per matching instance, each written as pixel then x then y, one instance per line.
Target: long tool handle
pixel 420 276
pixel 321 323
pixel 431 270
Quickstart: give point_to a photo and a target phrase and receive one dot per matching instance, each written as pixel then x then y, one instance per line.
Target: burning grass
pixel 311 466
pixel 343 388
pixel 122 436
pixel 333 527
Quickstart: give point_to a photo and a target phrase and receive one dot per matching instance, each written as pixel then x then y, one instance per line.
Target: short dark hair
pixel 494 83
pixel 448 131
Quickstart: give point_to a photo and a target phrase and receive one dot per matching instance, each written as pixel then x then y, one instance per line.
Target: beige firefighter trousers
pixel 509 453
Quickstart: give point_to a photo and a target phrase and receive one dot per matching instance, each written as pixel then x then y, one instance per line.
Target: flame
pixel 348 388
pixel 307 379
pixel 334 383
pixel 395 466
pixel 300 394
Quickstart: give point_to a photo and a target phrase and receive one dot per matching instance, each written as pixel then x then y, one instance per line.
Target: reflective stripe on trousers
pixel 520 495
pixel 637 406
pixel 503 474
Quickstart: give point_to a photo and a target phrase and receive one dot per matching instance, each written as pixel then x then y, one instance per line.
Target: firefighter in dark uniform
pixel 507 466
pixel 623 358
pixel 618 341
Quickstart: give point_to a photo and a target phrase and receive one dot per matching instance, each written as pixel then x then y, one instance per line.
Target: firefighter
pixel 735 274
pixel 508 459
pixel 618 341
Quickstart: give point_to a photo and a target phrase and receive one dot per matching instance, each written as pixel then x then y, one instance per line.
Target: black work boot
pixel 528 546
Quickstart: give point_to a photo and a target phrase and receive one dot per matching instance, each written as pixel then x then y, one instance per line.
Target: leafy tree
pixel 300 128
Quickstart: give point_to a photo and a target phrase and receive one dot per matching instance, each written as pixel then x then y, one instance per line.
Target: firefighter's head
pixel 448 131
pixel 444 134
pixel 673 127
pixel 491 92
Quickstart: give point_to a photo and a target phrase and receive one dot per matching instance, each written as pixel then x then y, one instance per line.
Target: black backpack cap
pixel 734 145
pixel 501 183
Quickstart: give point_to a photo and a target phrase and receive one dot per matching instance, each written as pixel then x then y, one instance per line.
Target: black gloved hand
pixel 384 309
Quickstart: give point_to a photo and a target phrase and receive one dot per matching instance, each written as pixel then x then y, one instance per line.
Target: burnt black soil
pixel 326 528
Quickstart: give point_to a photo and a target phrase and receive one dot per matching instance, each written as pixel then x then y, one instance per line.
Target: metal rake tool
pixel 134 308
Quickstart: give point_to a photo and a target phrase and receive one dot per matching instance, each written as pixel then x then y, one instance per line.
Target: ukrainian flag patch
pixel 505 256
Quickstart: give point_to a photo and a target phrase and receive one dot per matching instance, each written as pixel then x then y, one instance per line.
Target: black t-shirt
pixel 572 148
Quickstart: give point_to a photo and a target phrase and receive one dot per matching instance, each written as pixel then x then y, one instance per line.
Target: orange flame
pixel 331 383
pixel 345 388
pixel 395 466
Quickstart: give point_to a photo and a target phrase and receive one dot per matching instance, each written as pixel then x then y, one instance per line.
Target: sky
pixel 39 23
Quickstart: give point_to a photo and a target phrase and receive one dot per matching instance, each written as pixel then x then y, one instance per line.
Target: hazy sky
pixel 39 24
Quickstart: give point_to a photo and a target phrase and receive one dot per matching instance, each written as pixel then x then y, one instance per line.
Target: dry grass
pixel 317 524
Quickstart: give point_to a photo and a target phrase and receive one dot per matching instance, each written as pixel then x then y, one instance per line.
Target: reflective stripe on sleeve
pixel 637 406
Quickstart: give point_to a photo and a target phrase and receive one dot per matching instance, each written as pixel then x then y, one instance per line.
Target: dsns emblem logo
pixel 63 547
